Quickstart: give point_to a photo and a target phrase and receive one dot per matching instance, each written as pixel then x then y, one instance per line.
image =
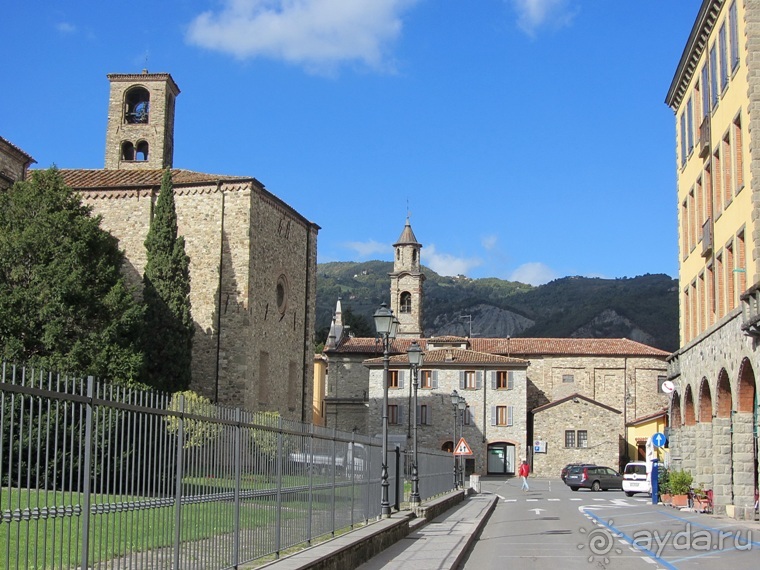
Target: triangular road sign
pixel 462 448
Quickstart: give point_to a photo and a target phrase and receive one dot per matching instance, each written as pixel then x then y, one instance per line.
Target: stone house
pixel 576 429
pixel 619 374
pixel 494 421
pixel 715 409
pixel 14 164
pixel 252 256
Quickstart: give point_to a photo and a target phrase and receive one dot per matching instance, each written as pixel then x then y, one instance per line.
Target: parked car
pixel 636 479
pixel 594 477
pixel 567 467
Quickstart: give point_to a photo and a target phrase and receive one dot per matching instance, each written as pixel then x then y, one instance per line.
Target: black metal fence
pixel 97 476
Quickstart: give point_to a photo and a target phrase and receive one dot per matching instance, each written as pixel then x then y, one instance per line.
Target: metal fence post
pixel 398 478
pixel 238 477
pixel 178 483
pixel 86 473
pixel 278 525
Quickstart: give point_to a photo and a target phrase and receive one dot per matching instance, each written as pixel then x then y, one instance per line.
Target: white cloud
pixel 318 34
pixel 368 248
pixel 66 28
pixel 533 14
pixel 489 242
pixel 446 264
pixel 534 273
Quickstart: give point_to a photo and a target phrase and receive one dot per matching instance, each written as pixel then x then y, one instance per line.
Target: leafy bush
pixel 680 482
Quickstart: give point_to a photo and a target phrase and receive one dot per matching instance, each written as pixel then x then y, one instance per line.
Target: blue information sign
pixel 659 439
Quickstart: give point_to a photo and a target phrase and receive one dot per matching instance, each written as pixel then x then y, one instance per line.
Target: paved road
pixel 552 526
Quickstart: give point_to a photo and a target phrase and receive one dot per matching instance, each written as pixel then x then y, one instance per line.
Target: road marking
pixel 554 499
pixel 537 511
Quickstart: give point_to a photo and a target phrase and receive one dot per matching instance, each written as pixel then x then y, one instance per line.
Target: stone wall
pixel 242 243
pixel 602 425
pixel 608 380
pixel 719 452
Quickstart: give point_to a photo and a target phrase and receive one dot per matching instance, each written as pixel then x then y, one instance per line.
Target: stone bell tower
pixel 406 284
pixel 140 132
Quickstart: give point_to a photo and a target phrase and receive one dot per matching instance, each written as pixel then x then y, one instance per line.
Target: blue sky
pixel 528 139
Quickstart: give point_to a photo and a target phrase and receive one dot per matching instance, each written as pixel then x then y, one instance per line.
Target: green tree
pixel 168 324
pixel 64 304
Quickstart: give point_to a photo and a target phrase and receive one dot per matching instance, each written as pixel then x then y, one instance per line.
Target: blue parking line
pixel 713 529
pixel 630 540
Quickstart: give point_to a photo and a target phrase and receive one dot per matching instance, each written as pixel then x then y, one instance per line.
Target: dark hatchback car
pixel 566 468
pixel 594 477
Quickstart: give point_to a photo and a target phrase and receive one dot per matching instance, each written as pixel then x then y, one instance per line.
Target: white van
pixel 636 479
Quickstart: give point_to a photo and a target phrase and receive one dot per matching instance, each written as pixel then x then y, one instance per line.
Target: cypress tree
pixel 168 324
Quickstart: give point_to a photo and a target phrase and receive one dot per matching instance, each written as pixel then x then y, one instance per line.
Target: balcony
pixel 704 138
pixel 707 238
pixel 750 300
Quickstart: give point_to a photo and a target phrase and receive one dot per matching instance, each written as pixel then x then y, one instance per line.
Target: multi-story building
pixel 511 386
pixel 715 95
pixel 252 256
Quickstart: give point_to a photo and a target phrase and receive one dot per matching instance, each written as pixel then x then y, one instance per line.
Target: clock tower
pixel 140 132
pixel 406 284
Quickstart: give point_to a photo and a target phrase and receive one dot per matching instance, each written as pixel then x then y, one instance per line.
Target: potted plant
pixel 680 486
pixel 663 484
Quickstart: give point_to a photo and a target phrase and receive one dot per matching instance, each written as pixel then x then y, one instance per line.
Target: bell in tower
pixel 140 132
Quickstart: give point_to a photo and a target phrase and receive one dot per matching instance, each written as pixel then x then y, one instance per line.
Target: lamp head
pixel 414 352
pixel 454 398
pixel 384 321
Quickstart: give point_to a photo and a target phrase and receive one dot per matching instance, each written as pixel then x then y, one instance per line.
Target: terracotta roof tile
pixel 517 347
pixel 566 346
pixel 452 357
pixel 102 179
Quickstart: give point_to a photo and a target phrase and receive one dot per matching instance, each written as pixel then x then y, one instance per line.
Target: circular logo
pixel 668 386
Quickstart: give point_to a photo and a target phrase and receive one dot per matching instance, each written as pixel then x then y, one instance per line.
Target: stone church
pixel 549 400
pixel 252 256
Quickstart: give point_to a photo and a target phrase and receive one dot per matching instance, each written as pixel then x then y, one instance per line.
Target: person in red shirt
pixel 523 472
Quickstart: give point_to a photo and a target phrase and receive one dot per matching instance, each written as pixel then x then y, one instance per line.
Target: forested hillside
pixel 643 308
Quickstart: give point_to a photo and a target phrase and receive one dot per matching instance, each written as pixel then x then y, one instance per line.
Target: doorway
pixel 501 459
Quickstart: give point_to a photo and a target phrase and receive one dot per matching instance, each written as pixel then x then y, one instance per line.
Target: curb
pixel 462 556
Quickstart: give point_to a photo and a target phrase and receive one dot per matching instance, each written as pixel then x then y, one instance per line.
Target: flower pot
pixel 680 501
pixel 666 498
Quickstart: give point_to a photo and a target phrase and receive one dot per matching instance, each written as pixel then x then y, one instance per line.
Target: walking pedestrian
pixel 523 472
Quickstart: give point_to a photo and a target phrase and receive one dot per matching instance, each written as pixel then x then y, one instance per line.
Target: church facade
pixel 252 256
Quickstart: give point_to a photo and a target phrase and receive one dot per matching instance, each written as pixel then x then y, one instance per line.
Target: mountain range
pixel 643 308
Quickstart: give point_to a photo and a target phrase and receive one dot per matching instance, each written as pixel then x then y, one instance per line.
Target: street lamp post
pixel 385 325
pixel 462 405
pixel 455 405
pixel 414 352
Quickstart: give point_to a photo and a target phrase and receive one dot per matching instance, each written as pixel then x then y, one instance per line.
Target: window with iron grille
pixel 569 438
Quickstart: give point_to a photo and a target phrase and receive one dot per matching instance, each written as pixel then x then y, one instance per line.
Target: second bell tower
pixel 406 284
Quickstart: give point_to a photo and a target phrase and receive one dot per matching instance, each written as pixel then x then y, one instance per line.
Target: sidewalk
pixel 443 542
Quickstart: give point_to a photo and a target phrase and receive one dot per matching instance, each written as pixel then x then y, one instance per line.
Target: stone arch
pixel 405 302
pixel 141 151
pixel 127 150
pixel 705 402
pixel 675 410
pixel 745 397
pixel 136 105
pixel 725 403
pixel 689 417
